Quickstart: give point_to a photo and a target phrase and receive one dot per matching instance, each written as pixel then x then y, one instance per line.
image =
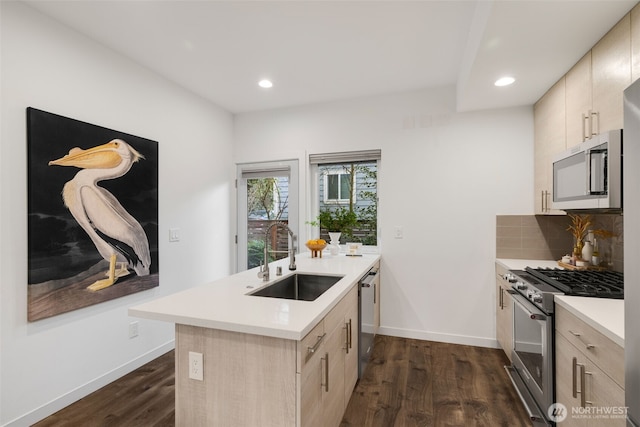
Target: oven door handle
pixel 517 298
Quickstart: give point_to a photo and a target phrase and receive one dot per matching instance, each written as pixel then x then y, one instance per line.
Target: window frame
pixel 314 201
pixel 340 200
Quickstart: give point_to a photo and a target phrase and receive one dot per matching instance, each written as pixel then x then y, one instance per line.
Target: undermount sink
pixel 299 286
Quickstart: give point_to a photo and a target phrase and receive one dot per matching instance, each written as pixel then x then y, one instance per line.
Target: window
pixel 267 192
pixel 345 195
pixel 338 186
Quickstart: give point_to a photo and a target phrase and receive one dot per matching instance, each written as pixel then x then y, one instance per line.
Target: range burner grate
pixel 603 284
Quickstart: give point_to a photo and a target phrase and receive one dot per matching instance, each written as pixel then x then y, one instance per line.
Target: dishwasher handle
pixel 368 278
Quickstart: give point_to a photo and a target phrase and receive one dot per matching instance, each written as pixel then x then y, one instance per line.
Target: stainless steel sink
pixel 299 286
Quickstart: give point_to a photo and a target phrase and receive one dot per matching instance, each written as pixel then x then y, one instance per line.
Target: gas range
pixel 539 285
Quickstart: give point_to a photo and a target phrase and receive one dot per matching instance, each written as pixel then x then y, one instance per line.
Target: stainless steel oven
pixel 532 356
pixel 533 290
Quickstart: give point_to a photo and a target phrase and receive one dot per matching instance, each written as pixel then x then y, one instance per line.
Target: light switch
pixel 174 234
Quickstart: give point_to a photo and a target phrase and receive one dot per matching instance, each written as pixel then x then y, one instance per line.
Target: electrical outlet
pixel 133 329
pixel 398 232
pixel 196 369
pixel 174 234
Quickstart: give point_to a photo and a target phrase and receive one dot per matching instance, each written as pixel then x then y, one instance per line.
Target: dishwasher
pixel 366 317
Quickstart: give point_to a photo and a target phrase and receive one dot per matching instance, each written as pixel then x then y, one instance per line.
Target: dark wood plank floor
pixel 424 383
pixel 408 383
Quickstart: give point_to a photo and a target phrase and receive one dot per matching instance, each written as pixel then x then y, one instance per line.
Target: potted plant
pixel 339 220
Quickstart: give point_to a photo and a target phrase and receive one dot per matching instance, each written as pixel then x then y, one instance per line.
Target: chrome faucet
pixel 264 269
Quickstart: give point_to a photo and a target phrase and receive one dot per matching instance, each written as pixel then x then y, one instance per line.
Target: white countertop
pixel 224 304
pixel 520 264
pixel 603 314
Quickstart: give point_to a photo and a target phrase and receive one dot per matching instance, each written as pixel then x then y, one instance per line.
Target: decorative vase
pixel 587 251
pixel 334 247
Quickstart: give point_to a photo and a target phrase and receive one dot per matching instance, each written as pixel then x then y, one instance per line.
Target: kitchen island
pixel 265 361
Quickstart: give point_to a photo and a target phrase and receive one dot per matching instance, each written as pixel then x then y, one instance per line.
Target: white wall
pixel 444 176
pixel 47 364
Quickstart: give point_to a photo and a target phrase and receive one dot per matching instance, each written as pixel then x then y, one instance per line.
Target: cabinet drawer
pixel 313 340
pixel 336 316
pixel 603 352
pixel 597 389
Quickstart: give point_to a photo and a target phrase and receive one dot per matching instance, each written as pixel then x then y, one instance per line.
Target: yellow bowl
pixel 316 249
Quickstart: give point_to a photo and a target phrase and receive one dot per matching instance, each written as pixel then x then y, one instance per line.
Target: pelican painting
pixel 117 235
pixel 92 214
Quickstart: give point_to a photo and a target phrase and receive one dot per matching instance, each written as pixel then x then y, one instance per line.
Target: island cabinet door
pixel 310 391
pixel 310 376
pixel 351 346
pixel 333 385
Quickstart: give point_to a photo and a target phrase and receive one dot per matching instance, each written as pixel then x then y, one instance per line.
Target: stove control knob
pixel 521 286
pixel 510 278
pixel 537 299
pixel 530 294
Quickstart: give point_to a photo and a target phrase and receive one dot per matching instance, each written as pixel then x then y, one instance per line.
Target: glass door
pixel 267 193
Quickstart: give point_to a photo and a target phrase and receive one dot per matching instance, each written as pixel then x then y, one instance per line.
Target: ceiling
pixel 320 51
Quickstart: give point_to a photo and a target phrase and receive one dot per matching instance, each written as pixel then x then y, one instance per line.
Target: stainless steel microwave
pixel 589 175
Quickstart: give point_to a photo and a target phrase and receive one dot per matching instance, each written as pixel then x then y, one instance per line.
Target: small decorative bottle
pixel 587 251
pixel 595 257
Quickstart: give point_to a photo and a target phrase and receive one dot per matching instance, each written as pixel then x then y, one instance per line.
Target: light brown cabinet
pixel 504 312
pixel 549 139
pixel 586 101
pixel 376 301
pixel 635 43
pixel 579 102
pixel 589 374
pixel 611 74
pixel 594 85
pixel 331 371
pixel 282 382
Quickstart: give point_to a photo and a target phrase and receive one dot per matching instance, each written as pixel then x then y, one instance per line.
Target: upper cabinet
pixel 635 43
pixel 549 136
pixel 584 102
pixel 611 74
pixel 579 100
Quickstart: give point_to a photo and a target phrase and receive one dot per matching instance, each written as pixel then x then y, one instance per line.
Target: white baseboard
pixel 67 399
pixel 439 337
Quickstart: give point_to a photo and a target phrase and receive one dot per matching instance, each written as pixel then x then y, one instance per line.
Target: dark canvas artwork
pixel 93 214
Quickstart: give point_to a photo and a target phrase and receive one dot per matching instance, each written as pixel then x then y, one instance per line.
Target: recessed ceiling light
pixel 264 83
pixel 504 81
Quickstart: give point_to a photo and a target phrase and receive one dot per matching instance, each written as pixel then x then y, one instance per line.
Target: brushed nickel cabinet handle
pixel 579 336
pixel 595 119
pixel 350 335
pixel 585 122
pixel 542 201
pixel 582 393
pixel 501 298
pixel 311 350
pixel 326 372
pixel 346 337
pixel 374 292
pixel 574 378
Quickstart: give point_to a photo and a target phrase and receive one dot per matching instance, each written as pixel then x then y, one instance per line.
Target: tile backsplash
pixel 546 237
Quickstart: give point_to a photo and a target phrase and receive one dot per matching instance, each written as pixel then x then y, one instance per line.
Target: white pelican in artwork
pixel 117 235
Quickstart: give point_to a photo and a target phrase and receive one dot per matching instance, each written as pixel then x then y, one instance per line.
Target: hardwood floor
pixel 424 383
pixel 407 383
